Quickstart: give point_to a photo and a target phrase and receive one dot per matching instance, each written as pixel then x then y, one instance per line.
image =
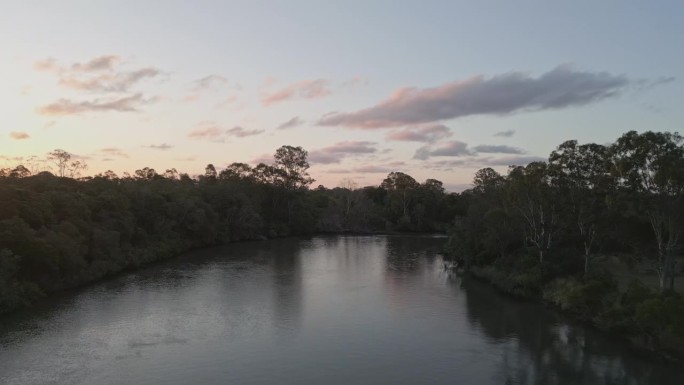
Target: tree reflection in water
pixel 538 347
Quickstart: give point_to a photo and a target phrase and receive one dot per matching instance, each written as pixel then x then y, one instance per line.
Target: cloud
pixel 294 122
pixel 456 148
pixel 304 89
pixel 113 151
pixel 211 131
pixel 49 124
pixel 161 147
pixel 64 107
pixel 451 148
pixel 503 94
pixel 101 75
pixel 47 64
pixel 240 132
pixel 209 82
pixel 505 134
pixel 109 82
pixel 426 133
pixel 369 169
pixel 207 132
pixel 373 169
pixel 351 147
pixel 513 160
pixel 498 149
pixel 338 151
pixel 206 84
pixel 319 157
pixel 100 63
pixel 17 135
pixel 481 162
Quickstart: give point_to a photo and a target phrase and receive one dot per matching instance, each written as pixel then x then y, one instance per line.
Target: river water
pixel 327 310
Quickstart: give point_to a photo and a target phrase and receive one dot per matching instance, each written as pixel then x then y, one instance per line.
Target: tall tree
pixel 293 161
pixel 530 196
pixel 400 187
pixel 61 159
pixel 651 166
pixel 581 173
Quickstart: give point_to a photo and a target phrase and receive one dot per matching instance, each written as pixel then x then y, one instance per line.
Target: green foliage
pixel 537 231
pixel 585 298
pixel 69 232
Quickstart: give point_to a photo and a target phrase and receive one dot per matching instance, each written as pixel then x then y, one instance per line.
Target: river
pixel 325 310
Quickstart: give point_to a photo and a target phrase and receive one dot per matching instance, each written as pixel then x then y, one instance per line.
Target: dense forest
pixel 595 231
pixel 60 230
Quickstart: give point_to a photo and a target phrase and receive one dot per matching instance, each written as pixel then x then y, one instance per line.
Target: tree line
pixel 61 230
pixel 588 231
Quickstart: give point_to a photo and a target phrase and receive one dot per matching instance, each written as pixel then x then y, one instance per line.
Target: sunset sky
pixel 433 89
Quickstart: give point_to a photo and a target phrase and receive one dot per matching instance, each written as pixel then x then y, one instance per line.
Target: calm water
pixel 337 310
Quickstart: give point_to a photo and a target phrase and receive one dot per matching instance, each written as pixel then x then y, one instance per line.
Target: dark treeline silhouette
pixel 595 230
pixel 60 231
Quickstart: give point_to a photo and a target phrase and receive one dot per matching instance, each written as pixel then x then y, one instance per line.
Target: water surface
pixel 328 310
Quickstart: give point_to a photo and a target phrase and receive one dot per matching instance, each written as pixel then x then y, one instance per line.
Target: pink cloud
pixel 206 132
pixel 16 135
pixel 427 133
pixel 503 94
pixel 100 63
pixel 240 132
pixel 69 107
pixel 338 151
pixel 304 89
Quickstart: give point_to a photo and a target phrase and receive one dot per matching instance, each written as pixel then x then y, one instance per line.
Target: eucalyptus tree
pixel 61 159
pixel 529 195
pixel 294 164
pixel 400 188
pixel 650 166
pixel 236 171
pixel 581 173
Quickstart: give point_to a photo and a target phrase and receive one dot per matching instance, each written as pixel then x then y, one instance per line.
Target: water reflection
pixel 287 286
pixel 539 348
pixel 334 310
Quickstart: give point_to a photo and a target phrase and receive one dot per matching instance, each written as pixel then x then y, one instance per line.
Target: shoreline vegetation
pixel 61 231
pixel 594 231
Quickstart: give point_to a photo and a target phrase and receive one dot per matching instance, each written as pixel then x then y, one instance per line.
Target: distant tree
pixel 61 159
pixel 146 173
pixel 487 180
pixel 19 172
pixel 293 161
pixel 210 173
pixel 236 171
pixel 171 173
pixel 348 186
pixel 74 168
pixel 400 186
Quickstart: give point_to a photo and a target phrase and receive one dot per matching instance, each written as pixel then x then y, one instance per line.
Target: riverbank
pixel 648 320
pixel 343 309
pixel 162 251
